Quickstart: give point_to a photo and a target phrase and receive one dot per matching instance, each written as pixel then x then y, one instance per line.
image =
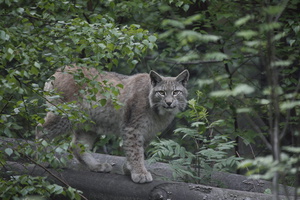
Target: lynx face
pixel 168 94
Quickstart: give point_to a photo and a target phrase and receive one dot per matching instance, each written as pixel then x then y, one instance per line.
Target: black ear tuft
pixel 183 77
pixel 155 78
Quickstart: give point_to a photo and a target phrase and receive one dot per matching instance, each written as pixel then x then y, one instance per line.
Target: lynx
pixel 149 104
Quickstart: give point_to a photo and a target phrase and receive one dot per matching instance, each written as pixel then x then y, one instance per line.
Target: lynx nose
pixel 169 103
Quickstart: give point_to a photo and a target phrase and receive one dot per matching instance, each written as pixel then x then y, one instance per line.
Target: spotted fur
pixel 150 102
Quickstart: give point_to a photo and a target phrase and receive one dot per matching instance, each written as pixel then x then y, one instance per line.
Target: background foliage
pixel 242 55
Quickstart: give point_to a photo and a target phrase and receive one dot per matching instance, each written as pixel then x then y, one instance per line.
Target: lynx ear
pixel 183 77
pixel 155 78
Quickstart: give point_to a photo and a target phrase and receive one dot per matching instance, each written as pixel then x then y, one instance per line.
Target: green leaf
pixel 247 34
pixel 243 20
pixel 238 90
pixel 282 63
pixel 197 124
pixel 37 65
pixel 111 46
pixel 34 70
pixel 10 51
pixel 9 151
pixel 187 57
pixel 44 143
pixel 189 36
pixel 103 102
pixel 20 10
pixel 244 110
pixel 134 62
pixel 120 86
pixel 268 191
pixel 173 23
pixel 274 10
pixel 218 56
pixel 269 26
pixel 289 105
pixel 219 122
pixel 292 149
pixel 192 19
pixel 4 36
pixel 152 38
pixel 242 89
pixel 56 189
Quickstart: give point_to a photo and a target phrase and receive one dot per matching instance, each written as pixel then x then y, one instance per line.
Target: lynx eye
pixel 162 93
pixel 176 92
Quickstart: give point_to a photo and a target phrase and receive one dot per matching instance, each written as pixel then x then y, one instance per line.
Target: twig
pixel 284 4
pixel 55 176
pixel 257 129
pixel 6 103
pixel 44 98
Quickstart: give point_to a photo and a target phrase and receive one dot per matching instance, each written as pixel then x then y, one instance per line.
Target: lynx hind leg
pixel 54 125
pixel 87 139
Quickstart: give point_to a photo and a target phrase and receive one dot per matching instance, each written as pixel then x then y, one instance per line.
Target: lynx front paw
pixel 141 177
pixel 101 167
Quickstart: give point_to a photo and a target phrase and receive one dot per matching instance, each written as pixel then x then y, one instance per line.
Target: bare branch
pixel 196 62
pixel 284 4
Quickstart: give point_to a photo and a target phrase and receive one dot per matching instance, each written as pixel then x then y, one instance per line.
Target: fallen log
pixel 97 185
pixel 108 186
pixel 163 171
